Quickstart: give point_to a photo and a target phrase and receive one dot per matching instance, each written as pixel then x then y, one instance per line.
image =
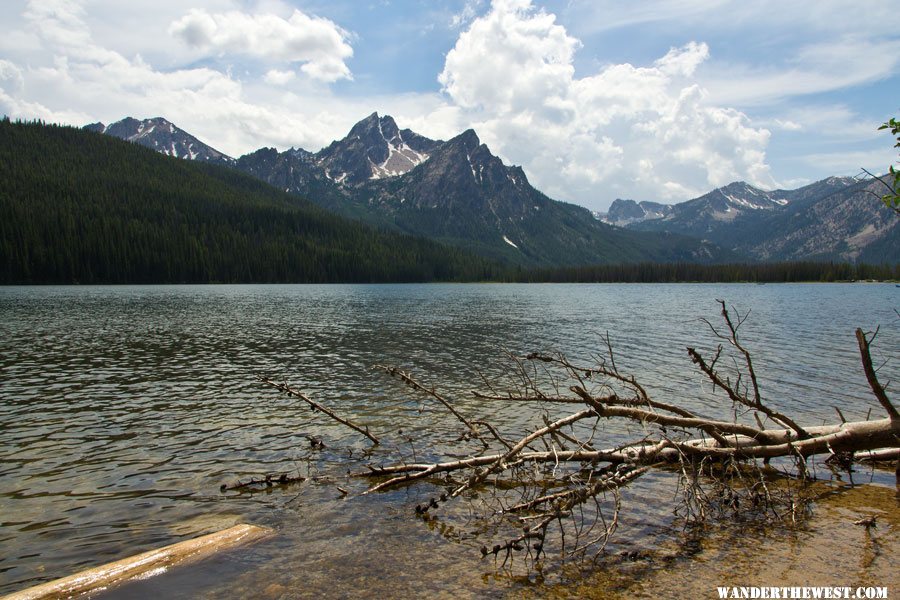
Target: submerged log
pixel 144 564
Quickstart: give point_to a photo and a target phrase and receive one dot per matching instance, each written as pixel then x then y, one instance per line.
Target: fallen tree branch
pixel 502 462
pixel 612 480
pixel 863 435
pixel 550 477
pixel 733 391
pixel 882 455
pixel 609 407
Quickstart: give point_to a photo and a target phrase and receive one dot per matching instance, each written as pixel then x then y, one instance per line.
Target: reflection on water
pixel 124 408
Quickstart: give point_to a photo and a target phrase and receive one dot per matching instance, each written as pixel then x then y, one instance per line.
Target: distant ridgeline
pixel 77 207
pixel 778 272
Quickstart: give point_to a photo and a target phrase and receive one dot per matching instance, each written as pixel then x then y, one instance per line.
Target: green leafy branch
pixel 892 198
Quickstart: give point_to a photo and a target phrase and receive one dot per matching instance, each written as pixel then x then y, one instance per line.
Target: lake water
pixel 123 409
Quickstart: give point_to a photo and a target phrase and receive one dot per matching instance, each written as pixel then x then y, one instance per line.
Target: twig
pixel 284 387
pixel 613 480
pixel 408 380
pixel 268 481
pixel 501 463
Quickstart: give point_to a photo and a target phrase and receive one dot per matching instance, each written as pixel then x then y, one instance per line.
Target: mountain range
pixel 838 218
pixel 458 192
pixel 455 192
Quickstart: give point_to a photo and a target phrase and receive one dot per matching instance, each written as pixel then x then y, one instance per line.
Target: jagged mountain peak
pixel 836 180
pixel 370 119
pixel 741 195
pixel 729 202
pixel 624 212
pixel 466 142
pixel 836 218
pixel 375 148
pixel 133 129
pixel 384 125
pixel 468 138
pixel 163 136
pixel 97 127
pixel 466 162
pixel 300 153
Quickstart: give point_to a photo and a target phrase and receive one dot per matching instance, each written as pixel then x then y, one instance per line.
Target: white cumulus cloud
pixel 683 61
pixel 318 44
pixel 509 59
pixel 276 77
pixel 649 131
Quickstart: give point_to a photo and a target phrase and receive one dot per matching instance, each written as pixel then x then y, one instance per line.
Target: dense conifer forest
pixel 80 207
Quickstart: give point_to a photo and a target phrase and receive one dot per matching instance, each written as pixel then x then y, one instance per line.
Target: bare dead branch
pixel 642 398
pixel 494 432
pixel 409 381
pixel 284 387
pixel 502 463
pixel 270 480
pixel 737 398
pixel 871 377
pixel 609 409
pixel 515 398
pixel 614 479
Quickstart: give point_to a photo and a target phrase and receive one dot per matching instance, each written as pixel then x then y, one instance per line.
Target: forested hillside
pixel 79 207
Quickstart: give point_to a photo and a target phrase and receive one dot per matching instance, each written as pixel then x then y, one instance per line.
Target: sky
pixel 657 100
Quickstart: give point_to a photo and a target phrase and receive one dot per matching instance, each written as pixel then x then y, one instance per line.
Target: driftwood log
pixel 84 583
pixel 556 478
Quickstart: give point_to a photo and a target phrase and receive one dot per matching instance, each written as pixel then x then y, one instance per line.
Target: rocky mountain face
pixel 465 195
pixel 162 136
pixel 375 148
pixel 838 218
pixel 720 206
pixel 296 171
pixel 849 224
pixel 625 212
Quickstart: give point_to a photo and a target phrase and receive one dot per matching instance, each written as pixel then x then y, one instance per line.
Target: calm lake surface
pixel 123 409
